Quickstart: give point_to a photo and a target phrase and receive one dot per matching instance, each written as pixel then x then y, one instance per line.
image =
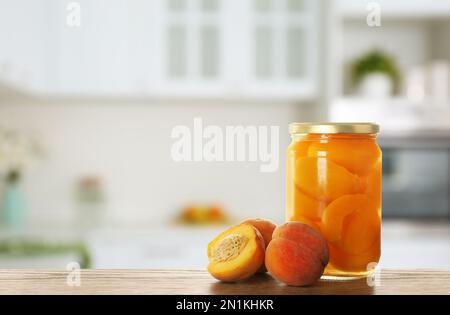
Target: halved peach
pixel 300 204
pixel 265 227
pixel 361 229
pixel 337 211
pixel 322 179
pixel 356 155
pixel 236 254
pixel 374 184
pixel 341 260
pixel 307 206
pixel 299 148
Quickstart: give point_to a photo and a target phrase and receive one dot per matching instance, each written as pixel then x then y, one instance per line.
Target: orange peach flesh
pixel 340 175
pixel 236 254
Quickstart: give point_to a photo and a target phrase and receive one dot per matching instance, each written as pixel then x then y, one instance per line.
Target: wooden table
pixel 26 281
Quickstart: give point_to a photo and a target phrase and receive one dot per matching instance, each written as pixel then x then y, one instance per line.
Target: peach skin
pixel 265 227
pixel 297 254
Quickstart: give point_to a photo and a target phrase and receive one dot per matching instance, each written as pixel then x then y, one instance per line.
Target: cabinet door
pixel 94 57
pixel 254 48
pixel 191 47
pixel 160 48
pixel 283 46
pixel 22 46
pixel 167 48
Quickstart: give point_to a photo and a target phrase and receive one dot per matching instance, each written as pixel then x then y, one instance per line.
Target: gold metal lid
pixel 333 128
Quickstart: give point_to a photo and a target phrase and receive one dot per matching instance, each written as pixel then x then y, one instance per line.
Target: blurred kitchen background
pixel 88 102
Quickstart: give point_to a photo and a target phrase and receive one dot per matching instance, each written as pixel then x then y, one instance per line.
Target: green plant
pixel 375 62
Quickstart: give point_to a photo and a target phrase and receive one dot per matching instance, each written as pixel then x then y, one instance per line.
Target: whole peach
pixel 297 254
pixel 266 228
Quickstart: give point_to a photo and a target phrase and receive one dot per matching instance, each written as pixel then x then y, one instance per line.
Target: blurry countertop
pixel 405 245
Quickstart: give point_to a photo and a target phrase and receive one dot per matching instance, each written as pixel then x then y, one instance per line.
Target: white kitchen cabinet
pixel 22 49
pixel 170 48
pixel 395 8
pixel 94 58
pixel 252 48
pixel 283 47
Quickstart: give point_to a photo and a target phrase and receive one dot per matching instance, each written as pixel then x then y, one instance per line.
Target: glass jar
pixel 334 185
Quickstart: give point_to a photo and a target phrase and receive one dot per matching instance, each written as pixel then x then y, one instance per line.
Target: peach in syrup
pixel 364 153
pixel 323 179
